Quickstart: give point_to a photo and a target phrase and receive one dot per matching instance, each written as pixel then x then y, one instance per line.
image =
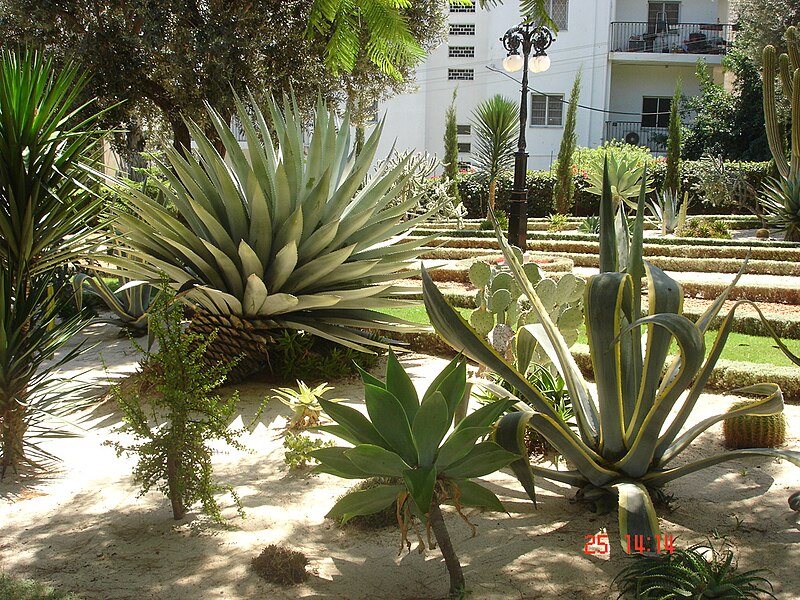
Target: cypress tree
pixel 564 187
pixel 451 148
pixel 672 178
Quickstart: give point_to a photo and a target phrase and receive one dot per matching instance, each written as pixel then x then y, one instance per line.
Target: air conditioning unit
pixel 632 138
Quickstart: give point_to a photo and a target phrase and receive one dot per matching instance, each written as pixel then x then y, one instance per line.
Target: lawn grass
pixel 12 588
pixel 739 347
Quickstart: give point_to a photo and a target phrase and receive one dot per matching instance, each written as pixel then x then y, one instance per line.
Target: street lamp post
pixel 526 37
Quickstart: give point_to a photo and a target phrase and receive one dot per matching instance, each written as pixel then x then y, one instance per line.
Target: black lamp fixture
pixel 527 38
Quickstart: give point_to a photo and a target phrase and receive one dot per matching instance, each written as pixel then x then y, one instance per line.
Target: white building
pixel 631 53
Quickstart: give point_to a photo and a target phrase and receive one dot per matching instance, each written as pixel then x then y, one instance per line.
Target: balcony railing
pixel 633 133
pixel 680 38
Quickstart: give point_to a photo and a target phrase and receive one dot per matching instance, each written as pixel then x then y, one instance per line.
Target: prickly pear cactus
pixel 753 431
pixel 499 301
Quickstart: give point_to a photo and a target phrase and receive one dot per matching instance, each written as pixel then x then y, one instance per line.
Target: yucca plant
pixel 495 123
pixel 403 436
pixel 278 236
pixel 628 435
pixel 48 216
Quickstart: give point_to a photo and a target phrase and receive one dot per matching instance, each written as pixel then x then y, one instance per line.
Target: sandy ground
pixel 82 527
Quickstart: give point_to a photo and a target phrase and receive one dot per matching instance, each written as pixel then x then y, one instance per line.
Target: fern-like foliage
pixel 389 42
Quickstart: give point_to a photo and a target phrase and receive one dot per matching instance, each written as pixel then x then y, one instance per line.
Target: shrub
pixel 172 429
pixel 299 448
pixel 701 227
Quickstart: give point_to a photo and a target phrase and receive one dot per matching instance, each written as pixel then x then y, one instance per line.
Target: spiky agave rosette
pixel 278 235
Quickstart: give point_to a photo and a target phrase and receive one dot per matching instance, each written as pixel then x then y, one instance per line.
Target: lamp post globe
pixel 524 38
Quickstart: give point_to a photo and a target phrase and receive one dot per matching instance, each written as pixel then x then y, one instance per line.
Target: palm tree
pixel 494 124
pixel 390 42
pixel 48 216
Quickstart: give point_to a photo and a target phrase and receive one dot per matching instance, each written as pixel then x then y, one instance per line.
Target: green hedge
pixel 540 190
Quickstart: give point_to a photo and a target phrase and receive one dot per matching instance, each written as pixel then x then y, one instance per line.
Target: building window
pixel 661 15
pixel 559 12
pixel 460 74
pixel 547 110
pixel 464 147
pixel 461 51
pixel 462 28
pixel 655 112
pixel 464 165
pixel 462 8
pixel 464 129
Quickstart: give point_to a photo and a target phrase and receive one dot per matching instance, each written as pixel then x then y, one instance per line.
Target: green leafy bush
pixel 298 449
pixel 173 427
pixel 14 588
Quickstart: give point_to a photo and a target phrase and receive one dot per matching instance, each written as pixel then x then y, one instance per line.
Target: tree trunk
pixel 181 139
pixel 13 426
pixel 457 585
pixel 492 192
pixel 178 509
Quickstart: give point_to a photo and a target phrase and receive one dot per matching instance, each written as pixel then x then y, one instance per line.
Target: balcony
pixel 633 133
pixel 682 41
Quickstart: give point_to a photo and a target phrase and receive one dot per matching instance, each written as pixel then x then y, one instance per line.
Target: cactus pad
pixel 752 431
pixel 479 274
pixel 482 321
pixel 500 300
pixel 533 272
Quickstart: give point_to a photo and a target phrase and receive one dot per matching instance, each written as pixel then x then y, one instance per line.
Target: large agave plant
pixel 633 429
pixel 279 235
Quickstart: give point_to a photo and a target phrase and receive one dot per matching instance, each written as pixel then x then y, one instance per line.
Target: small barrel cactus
pixel 752 431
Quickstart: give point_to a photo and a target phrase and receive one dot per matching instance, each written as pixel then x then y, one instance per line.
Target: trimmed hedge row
pixel 459 272
pixel 725 377
pixel 474 191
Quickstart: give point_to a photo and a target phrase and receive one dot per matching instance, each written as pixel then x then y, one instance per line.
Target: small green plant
pixel 698 572
pixel 14 588
pixel 304 402
pixel 173 427
pixel 299 448
pixel 295 354
pixel 781 203
pixel 502 221
pixel 668 212
pixel 753 430
pixel 557 222
pixel 406 437
pixel 590 224
pixel 625 168
pixel 704 227
pixel 278 564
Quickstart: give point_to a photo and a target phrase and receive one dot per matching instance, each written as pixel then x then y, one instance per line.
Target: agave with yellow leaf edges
pixel 630 432
pixel 278 235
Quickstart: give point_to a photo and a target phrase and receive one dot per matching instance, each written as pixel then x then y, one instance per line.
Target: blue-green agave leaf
pixel 390 420
pixel 482 459
pixel 365 502
pixel 429 428
pixel 637 516
pixel 473 494
pixel 336 462
pixel 354 422
pixel 399 383
pixel 421 484
pixel 376 461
